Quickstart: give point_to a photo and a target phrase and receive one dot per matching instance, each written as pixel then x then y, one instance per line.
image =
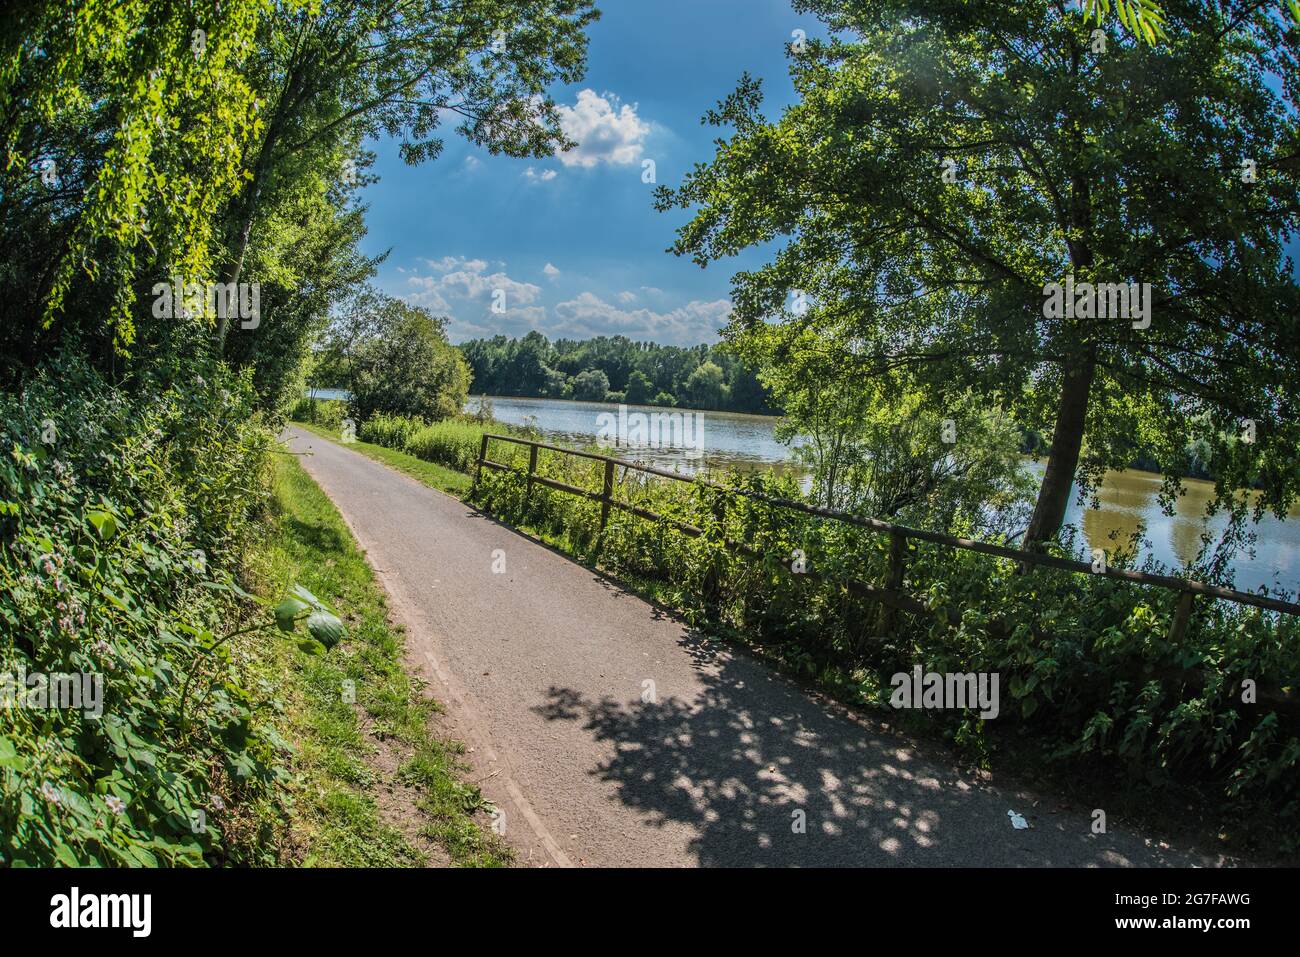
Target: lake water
pixel 1126 498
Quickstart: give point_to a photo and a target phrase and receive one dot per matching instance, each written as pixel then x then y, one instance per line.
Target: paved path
pixel 543 668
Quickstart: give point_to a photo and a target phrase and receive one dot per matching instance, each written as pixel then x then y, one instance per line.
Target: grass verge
pixel 430 473
pixel 373 785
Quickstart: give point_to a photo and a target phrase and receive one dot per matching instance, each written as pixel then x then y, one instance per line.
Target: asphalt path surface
pixel 610 734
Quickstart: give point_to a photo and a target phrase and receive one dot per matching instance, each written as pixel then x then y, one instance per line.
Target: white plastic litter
pixel 1018 822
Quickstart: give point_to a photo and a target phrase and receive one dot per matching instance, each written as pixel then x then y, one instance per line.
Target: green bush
pixel 122 515
pixel 327 413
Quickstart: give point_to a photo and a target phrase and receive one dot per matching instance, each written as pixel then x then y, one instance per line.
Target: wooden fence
pixel 891 595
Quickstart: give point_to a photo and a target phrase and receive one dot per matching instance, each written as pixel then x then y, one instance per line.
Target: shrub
pixel 451 442
pixel 327 413
pixel 121 518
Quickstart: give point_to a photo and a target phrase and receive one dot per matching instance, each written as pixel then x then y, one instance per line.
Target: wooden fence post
pixel 532 470
pixel 711 586
pixel 607 493
pixel 1182 614
pixel 893 578
pixel 482 454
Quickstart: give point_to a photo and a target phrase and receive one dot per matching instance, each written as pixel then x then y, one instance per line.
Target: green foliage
pixel 965 156
pixel 1142 18
pixel 453 443
pixel 705 387
pixel 396 359
pixel 327 413
pixel 1145 19
pixel 146 136
pixel 956 470
pixel 591 385
pixel 116 550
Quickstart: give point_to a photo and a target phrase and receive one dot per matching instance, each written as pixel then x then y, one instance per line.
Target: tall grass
pixel 451 442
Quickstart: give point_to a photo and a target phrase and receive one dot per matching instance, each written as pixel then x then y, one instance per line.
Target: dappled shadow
pixel 738 762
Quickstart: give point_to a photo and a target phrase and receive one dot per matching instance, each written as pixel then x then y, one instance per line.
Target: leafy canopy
pixel 946 161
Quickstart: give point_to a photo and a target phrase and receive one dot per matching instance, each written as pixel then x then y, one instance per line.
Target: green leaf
pixel 63 854
pixel 104 522
pixel 325 628
pixel 287 611
pixel 9 756
pixel 306 596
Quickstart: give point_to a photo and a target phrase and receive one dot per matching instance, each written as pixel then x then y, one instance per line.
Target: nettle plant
pixel 120 523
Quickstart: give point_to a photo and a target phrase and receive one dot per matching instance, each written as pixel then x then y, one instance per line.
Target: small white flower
pixel 51 793
pixel 115 804
pixel 217 803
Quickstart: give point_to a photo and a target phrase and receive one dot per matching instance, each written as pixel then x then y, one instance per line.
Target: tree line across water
pixel 616 369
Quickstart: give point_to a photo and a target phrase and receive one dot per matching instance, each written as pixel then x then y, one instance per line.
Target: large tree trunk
pixel 1063 457
pixel 247 212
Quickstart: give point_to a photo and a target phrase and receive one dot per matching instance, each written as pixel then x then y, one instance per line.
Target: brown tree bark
pixel 1063 456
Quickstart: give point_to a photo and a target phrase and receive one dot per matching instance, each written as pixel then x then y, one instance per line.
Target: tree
pixel 123 124
pixel 875 448
pixel 591 386
pixel 556 384
pixel 526 370
pixel 638 388
pixel 398 359
pixel 638 370
pixel 946 164
pixel 706 387
pixel 334 73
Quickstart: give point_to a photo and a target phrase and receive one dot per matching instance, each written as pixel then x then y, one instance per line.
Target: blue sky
pixel 575 241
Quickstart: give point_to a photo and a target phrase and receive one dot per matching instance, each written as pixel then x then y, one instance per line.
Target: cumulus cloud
pixel 463 289
pixel 605 130
pixel 588 315
pixel 545 176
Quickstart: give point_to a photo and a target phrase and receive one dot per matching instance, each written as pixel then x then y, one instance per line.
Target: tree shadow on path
pixel 751 758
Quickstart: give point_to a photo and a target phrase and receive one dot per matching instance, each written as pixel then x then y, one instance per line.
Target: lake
pixel 1126 498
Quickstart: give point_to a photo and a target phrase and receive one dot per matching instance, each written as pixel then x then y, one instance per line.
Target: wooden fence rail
pixel 892 595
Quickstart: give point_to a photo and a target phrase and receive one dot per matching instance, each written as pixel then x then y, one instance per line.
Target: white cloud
pixel 545 176
pixel 472 162
pixel 605 130
pixel 463 288
pixel 688 325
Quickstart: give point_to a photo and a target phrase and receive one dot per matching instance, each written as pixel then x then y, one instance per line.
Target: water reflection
pixel 1127 499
